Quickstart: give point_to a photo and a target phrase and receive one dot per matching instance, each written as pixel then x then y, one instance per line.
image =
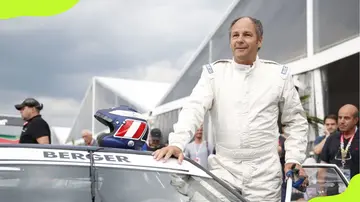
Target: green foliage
pixel 304 98
pixel 311 119
pixel 314 120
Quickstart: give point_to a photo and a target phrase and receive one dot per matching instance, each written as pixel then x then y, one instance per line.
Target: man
pixel 35 130
pixel 88 138
pixel 331 126
pixel 342 148
pixel 199 150
pixel 244 96
pixel 154 141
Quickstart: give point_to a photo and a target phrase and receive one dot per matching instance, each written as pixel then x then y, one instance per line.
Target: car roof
pixel 103 157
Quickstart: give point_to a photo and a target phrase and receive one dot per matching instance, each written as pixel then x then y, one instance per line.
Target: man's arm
pixel 194 110
pixel 211 149
pixel 325 152
pixel 295 121
pixel 319 146
pixel 186 151
pixel 43 140
pixel 39 131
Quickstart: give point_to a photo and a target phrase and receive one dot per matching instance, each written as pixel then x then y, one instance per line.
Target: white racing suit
pixel 244 103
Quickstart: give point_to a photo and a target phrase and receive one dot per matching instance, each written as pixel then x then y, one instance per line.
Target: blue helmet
pixel 128 129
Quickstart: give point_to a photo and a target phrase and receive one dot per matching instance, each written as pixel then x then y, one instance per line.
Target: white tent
pixel 61 133
pixel 107 92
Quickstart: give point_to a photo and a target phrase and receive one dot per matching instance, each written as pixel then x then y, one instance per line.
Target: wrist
pixel 291 162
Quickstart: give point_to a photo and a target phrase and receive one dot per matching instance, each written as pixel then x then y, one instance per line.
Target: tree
pixel 311 119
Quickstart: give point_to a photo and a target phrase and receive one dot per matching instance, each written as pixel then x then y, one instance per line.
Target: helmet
pixel 128 129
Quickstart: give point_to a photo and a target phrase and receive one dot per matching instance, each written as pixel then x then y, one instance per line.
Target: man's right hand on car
pixel 168 151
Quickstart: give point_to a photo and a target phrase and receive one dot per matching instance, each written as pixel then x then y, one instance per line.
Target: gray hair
pixel 86 132
pixel 258 26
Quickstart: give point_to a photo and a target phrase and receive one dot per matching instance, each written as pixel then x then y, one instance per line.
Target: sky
pixel 54 58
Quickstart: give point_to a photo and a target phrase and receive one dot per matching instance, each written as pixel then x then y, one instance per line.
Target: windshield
pixel 323 181
pixel 60 183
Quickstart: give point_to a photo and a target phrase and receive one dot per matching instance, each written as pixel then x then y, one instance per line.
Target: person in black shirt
pixel 331 127
pixel 35 130
pixel 154 141
pixel 342 148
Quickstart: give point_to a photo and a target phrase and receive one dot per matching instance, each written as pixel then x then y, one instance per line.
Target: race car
pixel 63 173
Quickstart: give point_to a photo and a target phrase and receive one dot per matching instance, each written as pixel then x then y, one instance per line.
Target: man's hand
pixel 302 173
pixel 168 151
pixel 326 132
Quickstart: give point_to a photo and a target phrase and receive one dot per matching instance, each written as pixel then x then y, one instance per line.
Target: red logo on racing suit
pixel 131 129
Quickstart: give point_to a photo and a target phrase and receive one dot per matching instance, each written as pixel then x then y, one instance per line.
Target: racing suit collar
pixel 246 68
pixel 242 67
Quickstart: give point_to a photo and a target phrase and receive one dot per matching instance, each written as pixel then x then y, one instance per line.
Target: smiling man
pixel 244 96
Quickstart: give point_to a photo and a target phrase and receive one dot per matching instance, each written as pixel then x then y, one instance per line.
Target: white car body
pixel 64 173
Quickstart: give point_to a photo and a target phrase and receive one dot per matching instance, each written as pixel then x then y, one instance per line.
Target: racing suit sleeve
pixel 194 110
pixel 295 121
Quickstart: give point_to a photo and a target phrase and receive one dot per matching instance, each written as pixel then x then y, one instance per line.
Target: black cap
pixel 155 133
pixel 29 102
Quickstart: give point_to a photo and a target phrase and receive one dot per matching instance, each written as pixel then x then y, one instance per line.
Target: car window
pixel 69 183
pixel 323 181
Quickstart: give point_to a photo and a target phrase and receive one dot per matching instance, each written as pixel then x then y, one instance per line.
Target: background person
pixel 199 150
pixel 88 138
pixel 154 140
pixel 330 127
pixel 35 130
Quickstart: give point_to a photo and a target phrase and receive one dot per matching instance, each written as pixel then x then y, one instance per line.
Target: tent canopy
pixel 143 94
pixel 105 92
pixel 61 133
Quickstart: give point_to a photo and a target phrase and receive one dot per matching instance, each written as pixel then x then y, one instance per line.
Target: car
pixel 59 173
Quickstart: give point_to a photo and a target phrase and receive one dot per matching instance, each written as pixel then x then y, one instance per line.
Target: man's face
pixel 154 142
pixel 243 40
pixel 26 112
pixel 331 125
pixel 346 120
pixel 199 132
pixel 87 138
